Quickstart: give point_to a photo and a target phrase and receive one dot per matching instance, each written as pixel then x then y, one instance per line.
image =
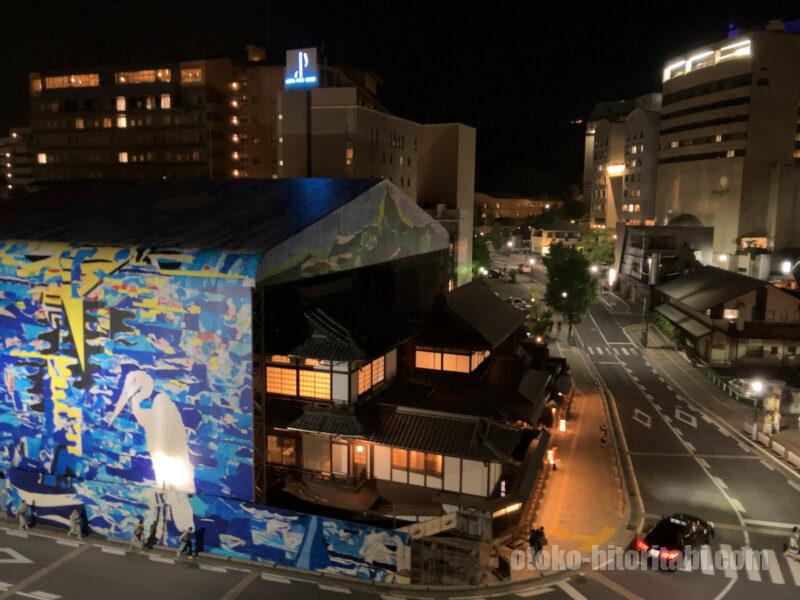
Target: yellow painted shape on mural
pixel 73 309
pixel 209 274
pixel 152 307
pixel 382 210
pixel 213 364
pixel 69 418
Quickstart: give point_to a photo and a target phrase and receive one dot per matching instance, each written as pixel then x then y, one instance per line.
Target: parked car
pixel 744 387
pixel 667 541
pixel 519 303
pixel 495 274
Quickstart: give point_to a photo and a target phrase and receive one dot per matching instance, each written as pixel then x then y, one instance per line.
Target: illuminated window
pixel 315 384
pixel 378 370
pixel 315 362
pixel 79 123
pixel 193 75
pixel 122 157
pixel 348 156
pixel 277 358
pixel 121 103
pixel 36 85
pixel 416 461
pixel 41 158
pixel 281 450
pixel 107 122
pixel 477 358
pixel 281 381
pixel 399 458
pixel 428 360
pixel 458 363
pixel 166 101
pixel 364 378
pixel 122 122
pixel 72 81
pixel 145 76
pixel 433 464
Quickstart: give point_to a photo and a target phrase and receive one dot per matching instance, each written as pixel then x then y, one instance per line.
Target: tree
pixel 512 275
pixel 598 246
pixel 496 236
pixel 571 288
pixel 480 254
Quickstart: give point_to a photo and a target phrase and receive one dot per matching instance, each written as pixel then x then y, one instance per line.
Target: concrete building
pixel 729 148
pixel 334 126
pixel 16 154
pixel 517 209
pixel 621 147
pixel 560 231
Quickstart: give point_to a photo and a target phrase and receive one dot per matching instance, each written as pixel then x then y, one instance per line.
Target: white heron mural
pixel 167 443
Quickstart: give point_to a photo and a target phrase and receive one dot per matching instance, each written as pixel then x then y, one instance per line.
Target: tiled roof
pixel 344 423
pixel 461 436
pixel 707 287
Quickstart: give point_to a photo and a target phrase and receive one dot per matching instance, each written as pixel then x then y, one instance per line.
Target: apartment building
pixel 16 154
pixel 729 145
pixel 517 209
pixel 621 148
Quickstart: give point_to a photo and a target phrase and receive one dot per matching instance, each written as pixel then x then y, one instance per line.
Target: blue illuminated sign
pixel 301 68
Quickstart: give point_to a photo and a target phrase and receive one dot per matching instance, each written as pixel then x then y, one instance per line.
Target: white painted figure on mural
pixel 167 443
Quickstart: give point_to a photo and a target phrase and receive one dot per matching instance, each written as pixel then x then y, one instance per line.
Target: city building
pixel 331 124
pixel 559 231
pixel 727 318
pixel 652 255
pixel 17 160
pixel 620 162
pixel 492 206
pixel 729 148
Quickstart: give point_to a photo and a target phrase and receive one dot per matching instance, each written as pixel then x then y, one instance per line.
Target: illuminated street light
pixel 532 261
pixel 612 277
pixel 786 267
pixel 510 244
pixel 723 258
pixel 564 294
pixel 758 386
pixel 594 269
pixel 562 425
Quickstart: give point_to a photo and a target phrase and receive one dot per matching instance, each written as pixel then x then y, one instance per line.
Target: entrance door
pixel 339 458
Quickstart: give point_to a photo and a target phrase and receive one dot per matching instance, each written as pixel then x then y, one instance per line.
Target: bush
pixel 512 275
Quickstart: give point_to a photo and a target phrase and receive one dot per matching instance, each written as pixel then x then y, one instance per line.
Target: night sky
pixel 517 71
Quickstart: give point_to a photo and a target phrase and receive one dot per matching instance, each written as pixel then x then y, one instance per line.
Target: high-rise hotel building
pixel 729 145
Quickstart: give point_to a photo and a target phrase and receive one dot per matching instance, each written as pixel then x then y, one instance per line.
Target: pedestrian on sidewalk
pixel 138 542
pixel 186 543
pixel 23 518
pixel 75 524
pixel 534 540
pixel 558 327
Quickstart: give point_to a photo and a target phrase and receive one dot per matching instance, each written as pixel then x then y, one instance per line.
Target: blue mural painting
pixel 126 389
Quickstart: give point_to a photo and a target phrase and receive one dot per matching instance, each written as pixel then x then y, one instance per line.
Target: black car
pixel 669 539
pixel 495 274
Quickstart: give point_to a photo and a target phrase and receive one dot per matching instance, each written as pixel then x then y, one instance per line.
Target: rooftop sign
pixel 302 69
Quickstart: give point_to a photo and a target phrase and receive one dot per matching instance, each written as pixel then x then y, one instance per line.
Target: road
pixel 686 460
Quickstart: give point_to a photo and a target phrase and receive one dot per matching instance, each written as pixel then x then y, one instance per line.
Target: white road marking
pixel 685 417
pixel 534 592
pixel 15 558
pixel 4 586
pixel 773 567
pixel 275 578
pixel 706 419
pixel 737 505
pixel 39 595
pixel 642 418
pixel 334 588
pixel 388 597
pixel 720 483
pixel 649 396
pixel 15 533
pixel 794 484
pixel 766 464
pixel 599 350
pixel 771 524
pixel 110 550
pixel 212 568
pixel 727 555
pixel 744 448
pixel 690 447
pixel 73 543
pixel 570 591
pixel 753 574
pixel 706 560
pixel 703 462
pixel 589 349
pixel 724 433
pixel 161 559
pixel 669 387
pixel 624 351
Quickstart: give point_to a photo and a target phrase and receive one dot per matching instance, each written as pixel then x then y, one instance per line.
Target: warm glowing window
pixel 145 76
pixel 364 378
pixel 107 122
pixel 458 363
pixel 72 81
pixel 122 121
pixel 399 458
pixel 360 450
pixel 193 75
pixel 36 85
pixel 315 362
pixel 378 369
pixel 281 450
pixel 278 358
pixel 166 101
pixel 348 156
pixel 41 158
pixel 416 461
pixel 315 384
pixel 122 157
pixel 428 360
pixel 121 103
pixel 281 381
pixel 433 464
pixel 79 123
pixel 478 358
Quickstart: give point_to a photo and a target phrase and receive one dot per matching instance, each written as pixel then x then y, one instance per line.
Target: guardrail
pixel 770 444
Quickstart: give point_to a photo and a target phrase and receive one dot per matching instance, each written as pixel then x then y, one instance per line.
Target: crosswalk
pixel 620 350
pixel 744 563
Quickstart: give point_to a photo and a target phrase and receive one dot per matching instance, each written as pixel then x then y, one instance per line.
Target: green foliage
pixel 512 275
pixel 598 246
pixel 668 329
pixel 496 235
pixel 568 271
pixel 541 321
pixel 480 254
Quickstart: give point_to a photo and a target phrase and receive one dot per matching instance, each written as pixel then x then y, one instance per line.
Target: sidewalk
pixel 693 377
pixel 584 503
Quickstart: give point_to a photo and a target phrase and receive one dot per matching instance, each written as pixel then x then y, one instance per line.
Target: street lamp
pixel 564 294
pixel 510 244
pixel 594 269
